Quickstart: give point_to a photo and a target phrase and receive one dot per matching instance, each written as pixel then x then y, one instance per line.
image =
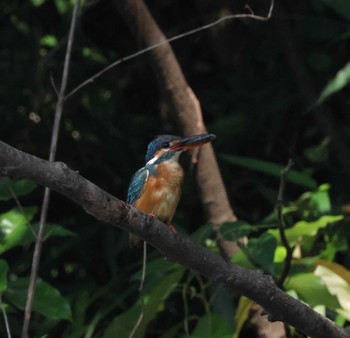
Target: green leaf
pixel 153 303
pixel 262 251
pixel 202 233
pixel 241 259
pixel 47 301
pixel 13 227
pixel 341 79
pixel 338 287
pixel 311 290
pixel 235 230
pixel 212 325
pixel 3 275
pixel 306 229
pixel 19 188
pixel 271 168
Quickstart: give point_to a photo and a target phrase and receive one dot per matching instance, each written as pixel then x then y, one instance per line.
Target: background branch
pixel 186 106
pixel 53 148
pixel 251 283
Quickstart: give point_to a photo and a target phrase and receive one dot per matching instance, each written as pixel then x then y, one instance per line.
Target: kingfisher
pixel 155 189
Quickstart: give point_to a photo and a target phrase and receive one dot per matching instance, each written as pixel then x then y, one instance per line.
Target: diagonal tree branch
pixel 103 206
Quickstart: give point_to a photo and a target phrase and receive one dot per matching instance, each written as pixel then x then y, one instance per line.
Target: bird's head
pixel 169 147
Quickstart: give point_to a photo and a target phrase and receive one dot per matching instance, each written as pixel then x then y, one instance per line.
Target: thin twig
pixel 6 320
pixel 46 199
pixel 250 15
pixel 281 224
pixel 143 276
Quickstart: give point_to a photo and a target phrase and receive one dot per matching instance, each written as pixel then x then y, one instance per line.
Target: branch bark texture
pixel 184 102
pixel 103 206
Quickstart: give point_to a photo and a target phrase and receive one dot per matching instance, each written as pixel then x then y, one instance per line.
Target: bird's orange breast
pixel 162 191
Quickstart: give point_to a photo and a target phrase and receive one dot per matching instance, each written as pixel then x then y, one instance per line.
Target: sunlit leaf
pixel 311 290
pixel 47 301
pixel 271 168
pixel 9 187
pixel 13 227
pixel 306 229
pixel 3 275
pixel 280 254
pixel 337 286
pixel 338 269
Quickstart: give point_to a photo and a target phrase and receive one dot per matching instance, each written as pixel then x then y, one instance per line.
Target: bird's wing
pixel 136 185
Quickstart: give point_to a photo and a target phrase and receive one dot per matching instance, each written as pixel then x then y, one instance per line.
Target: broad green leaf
pixel 311 289
pixel 242 314
pixel 338 287
pixel 19 188
pixel 47 301
pixel 3 275
pixel 13 227
pixel 315 203
pixel 153 303
pixel 271 168
pixel 202 233
pixel 235 230
pixel 241 259
pixel 262 251
pixel 341 79
pixel 212 325
pixel 306 229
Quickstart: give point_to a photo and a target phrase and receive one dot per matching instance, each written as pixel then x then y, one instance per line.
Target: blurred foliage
pixel 270 91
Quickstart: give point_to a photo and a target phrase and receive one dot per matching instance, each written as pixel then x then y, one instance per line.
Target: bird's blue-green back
pixel 136 185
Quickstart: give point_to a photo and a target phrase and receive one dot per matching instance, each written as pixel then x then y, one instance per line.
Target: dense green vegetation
pixel 270 91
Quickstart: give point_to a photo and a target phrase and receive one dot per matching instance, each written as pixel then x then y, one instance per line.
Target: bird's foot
pixel 152 214
pixel 172 228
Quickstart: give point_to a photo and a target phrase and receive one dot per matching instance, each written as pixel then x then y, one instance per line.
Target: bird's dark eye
pixel 166 145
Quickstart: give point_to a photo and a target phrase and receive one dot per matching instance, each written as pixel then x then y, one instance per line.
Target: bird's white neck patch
pixel 173 158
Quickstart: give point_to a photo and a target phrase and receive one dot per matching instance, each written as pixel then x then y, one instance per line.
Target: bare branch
pixel 46 199
pixel 250 15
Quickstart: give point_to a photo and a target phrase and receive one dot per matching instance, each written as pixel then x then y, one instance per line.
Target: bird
pixel 155 189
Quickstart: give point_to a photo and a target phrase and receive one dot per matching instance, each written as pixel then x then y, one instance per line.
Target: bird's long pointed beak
pixel 190 142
